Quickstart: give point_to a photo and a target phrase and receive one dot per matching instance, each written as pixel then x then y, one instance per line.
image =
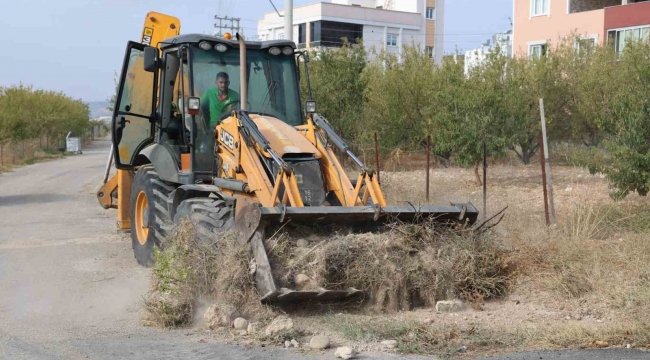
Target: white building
pixel 476 57
pixel 381 24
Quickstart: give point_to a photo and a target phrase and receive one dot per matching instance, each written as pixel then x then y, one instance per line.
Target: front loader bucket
pixel 251 221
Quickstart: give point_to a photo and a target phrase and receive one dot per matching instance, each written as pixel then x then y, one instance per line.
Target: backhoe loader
pixel 266 159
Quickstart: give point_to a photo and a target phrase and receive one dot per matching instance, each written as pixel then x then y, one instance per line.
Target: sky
pixel 76 46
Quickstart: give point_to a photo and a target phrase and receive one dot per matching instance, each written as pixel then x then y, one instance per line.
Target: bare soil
pixel 543 311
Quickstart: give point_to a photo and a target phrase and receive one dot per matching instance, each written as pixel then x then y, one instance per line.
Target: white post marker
pixel 288 20
pixel 547 163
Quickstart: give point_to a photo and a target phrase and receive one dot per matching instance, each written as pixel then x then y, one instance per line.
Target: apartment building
pixel 539 23
pixel 380 24
pixel 476 57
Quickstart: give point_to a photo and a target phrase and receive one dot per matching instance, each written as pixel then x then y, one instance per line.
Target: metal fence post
pixel 485 181
pixel 428 164
pixel 377 159
pixel 541 159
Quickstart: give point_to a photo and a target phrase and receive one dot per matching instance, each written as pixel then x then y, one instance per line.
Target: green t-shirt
pixel 211 98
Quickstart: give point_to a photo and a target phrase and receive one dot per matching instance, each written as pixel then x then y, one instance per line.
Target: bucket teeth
pixel 289 295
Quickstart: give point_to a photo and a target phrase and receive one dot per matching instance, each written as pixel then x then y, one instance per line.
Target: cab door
pixel 134 110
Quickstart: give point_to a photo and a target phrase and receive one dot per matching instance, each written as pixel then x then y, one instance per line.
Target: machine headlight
pixel 310 106
pixel 275 51
pixel 205 45
pixel 287 50
pixel 221 48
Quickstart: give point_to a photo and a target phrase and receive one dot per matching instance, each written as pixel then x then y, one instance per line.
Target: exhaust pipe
pixel 242 73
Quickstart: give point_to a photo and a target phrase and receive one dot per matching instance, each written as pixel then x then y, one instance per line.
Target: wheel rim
pixel 142 218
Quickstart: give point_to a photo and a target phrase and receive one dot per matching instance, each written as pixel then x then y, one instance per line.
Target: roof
pixel 197 38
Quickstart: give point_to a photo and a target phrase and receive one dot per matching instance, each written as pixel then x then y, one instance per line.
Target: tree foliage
pixel 337 85
pixel 593 98
pixel 26 113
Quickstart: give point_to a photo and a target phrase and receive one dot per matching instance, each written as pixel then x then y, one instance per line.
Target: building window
pixel 585 44
pixel 280 36
pixel 429 50
pixel 619 38
pixel 333 33
pixel 391 39
pixel 536 51
pixel 302 34
pixel 431 13
pixel 539 7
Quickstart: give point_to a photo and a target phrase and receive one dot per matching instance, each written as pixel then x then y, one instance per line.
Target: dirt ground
pixel 532 316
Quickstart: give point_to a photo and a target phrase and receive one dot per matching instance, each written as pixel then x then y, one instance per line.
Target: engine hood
pixel 284 138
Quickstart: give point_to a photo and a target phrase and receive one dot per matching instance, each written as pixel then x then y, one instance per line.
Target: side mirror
pixel 150 59
pixel 310 106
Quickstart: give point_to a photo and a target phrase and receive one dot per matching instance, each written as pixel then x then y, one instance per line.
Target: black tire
pixel 209 215
pixel 157 221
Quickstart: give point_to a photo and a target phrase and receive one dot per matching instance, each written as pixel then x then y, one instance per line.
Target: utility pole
pixel 288 20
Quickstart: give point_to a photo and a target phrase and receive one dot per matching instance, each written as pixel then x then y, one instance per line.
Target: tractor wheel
pixel 209 216
pixel 149 214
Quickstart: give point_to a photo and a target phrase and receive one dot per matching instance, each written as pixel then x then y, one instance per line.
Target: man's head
pixel 223 81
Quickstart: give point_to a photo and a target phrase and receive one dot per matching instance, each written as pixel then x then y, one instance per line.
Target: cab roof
pixel 197 38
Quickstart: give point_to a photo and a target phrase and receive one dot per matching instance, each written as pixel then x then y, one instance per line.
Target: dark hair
pixel 223 75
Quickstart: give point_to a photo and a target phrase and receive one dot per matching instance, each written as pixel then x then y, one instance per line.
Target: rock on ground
pixel 240 323
pixel 345 353
pixel 219 316
pixel 302 243
pixel 278 325
pixel 295 343
pixel 449 306
pixel 252 328
pixel 390 344
pixel 319 342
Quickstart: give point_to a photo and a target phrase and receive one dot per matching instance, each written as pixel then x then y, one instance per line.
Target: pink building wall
pixel 552 27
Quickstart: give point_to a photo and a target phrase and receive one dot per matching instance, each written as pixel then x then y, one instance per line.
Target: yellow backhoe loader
pixel 266 158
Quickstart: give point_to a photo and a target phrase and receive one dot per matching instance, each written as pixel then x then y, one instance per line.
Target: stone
pixel 449 306
pixel 295 343
pixel 568 189
pixel 302 281
pixel 601 344
pixel 252 328
pixel 302 243
pixel 219 316
pixel 427 321
pixel 287 344
pixel 240 323
pixel 390 344
pixel 345 353
pixel 279 325
pixel 319 342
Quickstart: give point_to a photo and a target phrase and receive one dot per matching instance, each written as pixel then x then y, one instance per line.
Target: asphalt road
pixel 71 289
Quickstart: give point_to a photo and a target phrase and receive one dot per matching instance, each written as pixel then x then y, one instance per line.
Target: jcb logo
pixel 227 139
pixel 146 36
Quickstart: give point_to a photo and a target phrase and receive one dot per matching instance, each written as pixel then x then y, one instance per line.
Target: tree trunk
pixel 476 173
pixel 525 156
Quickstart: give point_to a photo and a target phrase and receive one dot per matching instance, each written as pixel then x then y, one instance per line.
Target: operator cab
pixel 189 66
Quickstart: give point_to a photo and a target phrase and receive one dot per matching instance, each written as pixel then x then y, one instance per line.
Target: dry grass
pixel 189 273
pixel 409 265
pixel 583 283
pixel 39 156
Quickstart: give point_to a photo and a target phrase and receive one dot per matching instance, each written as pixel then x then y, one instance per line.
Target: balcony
pixel 578 6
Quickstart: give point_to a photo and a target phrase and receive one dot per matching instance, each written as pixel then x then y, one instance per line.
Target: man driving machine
pixel 215 100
